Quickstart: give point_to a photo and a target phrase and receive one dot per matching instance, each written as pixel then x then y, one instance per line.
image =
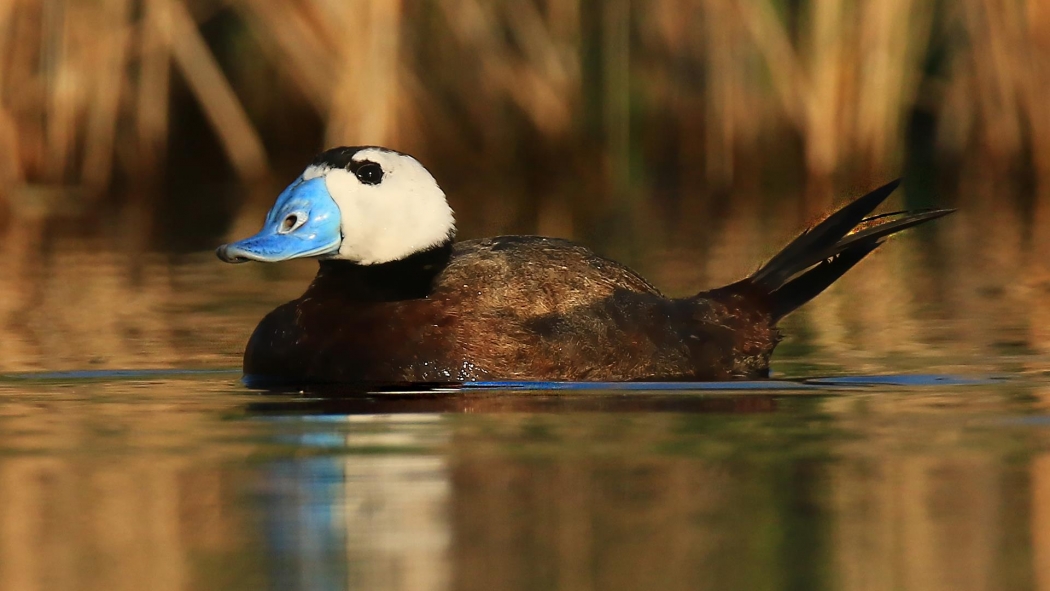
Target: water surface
pixel 902 443
pixel 190 481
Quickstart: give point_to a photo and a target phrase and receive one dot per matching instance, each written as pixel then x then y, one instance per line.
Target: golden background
pixel 688 138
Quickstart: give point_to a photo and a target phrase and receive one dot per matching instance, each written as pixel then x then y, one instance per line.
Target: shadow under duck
pixel 397 300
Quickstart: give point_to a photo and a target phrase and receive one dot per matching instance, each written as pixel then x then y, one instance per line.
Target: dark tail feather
pixel 786 263
pixel 822 254
pixel 807 286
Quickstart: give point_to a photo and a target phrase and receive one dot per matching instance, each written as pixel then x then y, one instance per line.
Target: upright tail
pixel 814 260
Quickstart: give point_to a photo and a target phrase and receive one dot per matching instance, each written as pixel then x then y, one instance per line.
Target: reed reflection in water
pixel 910 488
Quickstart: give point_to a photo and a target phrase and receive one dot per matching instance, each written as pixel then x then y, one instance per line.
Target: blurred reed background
pixel 688 138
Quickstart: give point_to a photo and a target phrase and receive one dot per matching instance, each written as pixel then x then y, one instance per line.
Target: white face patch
pixel 313 171
pixel 403 213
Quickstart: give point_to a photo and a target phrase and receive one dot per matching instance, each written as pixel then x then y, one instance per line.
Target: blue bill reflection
pixel 372 515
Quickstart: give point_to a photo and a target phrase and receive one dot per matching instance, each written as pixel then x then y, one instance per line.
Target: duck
pixel 397 300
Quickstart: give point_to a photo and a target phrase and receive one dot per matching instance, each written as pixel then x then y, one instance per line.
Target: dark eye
pixel 369 173
pixel 289 222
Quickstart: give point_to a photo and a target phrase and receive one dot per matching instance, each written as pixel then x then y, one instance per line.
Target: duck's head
pixel 367 205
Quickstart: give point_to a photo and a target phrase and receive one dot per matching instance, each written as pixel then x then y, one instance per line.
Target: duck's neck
pixel 409 278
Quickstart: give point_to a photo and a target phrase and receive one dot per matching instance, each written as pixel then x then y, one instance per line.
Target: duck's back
pixel 513 307
pixel 534 276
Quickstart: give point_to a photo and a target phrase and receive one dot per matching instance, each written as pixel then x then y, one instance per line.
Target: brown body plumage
pixel 515 308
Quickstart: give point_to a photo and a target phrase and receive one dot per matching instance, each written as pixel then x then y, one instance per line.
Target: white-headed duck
pixel 397 300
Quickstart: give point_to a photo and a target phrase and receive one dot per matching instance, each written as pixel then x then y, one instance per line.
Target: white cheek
pixel 404 214
pixel 346 191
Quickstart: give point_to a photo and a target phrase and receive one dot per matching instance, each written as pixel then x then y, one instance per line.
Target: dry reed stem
pixel 541 83
pixel 771 40
pixel 720 131
pixel 112 37
pixel 238 136
pixel 825 57
pixel 616 93
pixel 63 88
pixel 364 102
pixel 992 71
pixel 1035 91
pixel 151 107
pixel 892 44
pixel 1037 86
pixel 10 160
pixel 553 87
pixel 23 93
pixel 298 42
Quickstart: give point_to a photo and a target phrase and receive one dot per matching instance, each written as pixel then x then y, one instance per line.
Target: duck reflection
pixel 467 403
pixel 373 516
pixel 406 486
pixel 488 491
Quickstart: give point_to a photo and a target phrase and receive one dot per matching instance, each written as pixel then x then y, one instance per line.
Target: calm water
pixel 904 445
pixel 190 482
